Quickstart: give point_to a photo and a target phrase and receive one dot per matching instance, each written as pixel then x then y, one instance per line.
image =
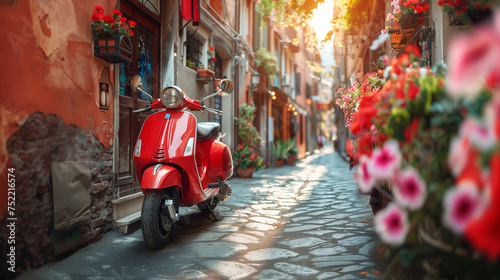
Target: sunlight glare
pixel 320 20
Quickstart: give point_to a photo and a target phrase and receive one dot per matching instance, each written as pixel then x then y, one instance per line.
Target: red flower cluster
pixel 114 24
pixel 244 156
pixel 463 6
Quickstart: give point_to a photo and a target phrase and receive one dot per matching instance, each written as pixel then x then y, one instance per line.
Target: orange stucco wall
pixel 48 65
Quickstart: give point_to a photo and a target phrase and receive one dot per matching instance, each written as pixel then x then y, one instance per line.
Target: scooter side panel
pixel 219 159
pixel 164 138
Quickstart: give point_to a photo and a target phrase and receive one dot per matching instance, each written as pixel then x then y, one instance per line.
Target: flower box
pixel 114 50
pixel 399 39
pixel 409 20
pixel 205 75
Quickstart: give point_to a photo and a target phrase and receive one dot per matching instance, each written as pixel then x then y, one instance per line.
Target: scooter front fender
pixel 161 176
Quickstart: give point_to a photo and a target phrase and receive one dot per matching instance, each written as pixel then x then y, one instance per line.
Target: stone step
pixel 123 224
pixel 126 211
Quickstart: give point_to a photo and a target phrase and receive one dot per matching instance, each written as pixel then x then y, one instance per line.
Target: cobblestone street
pixel 306 221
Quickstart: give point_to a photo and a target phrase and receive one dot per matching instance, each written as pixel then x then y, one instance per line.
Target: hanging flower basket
pixel 114 50
pixel 409 20
pixel 399 40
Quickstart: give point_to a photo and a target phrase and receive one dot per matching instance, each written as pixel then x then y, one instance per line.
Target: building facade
pixel 68 126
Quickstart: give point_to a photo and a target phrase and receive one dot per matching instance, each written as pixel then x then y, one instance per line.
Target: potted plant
pixel 111 35
pixel 247 133
pixel 280 152
pixel 467 12
pixel 247 161
pixel 266 63
pixel 439 136
pixel 246 157
pixel 203 73
pixel 191 64
pixel 406 14
pixel 292 150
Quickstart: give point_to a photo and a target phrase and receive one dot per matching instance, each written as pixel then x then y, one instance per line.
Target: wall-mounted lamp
pixel 103 96
pixel 273 95
pixel 255 79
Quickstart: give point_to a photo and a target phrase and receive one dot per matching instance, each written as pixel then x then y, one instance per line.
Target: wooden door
pixel 145 64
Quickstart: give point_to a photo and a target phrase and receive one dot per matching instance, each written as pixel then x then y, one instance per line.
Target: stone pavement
pixel 306 221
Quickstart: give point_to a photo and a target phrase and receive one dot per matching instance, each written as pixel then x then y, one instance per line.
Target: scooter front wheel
pixel 157 227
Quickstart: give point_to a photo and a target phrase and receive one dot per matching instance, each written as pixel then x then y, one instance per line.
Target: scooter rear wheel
pixel 157 227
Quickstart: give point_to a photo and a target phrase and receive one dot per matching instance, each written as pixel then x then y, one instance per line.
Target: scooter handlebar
pixel 214 111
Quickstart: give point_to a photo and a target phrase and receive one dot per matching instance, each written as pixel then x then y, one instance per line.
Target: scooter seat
pixel 208 130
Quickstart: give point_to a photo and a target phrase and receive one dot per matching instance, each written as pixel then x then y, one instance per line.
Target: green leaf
pixel 398 122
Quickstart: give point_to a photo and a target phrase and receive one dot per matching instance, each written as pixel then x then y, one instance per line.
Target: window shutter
pixel 298 83
pixel 256 28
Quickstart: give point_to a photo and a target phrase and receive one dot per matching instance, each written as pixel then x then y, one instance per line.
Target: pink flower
pixel 410 190
pixel 482 136
pixel 389 16
pixel 391 223
pixel 472 58
pixel 385 162
pixel 461 205
pixel 397 9
pixel 458 155
pixel 365 180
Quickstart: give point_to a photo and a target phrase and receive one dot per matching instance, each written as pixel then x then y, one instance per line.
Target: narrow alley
pixel 302 221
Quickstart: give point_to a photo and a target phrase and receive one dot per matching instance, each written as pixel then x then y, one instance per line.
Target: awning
pixel 286 98
pixel 301 110
pixel 190 9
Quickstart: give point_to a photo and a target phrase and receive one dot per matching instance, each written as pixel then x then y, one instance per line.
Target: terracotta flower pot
pixel 279 162
pixel 205 73
pixel 291 159
pixel 245 173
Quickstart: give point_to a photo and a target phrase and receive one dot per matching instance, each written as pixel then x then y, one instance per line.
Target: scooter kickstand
pixel 215 217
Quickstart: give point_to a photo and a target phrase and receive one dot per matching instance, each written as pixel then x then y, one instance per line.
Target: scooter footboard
pixel 160 176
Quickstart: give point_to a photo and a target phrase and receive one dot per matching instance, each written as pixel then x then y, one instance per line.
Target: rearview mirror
pixel 225 86
pixel 136 83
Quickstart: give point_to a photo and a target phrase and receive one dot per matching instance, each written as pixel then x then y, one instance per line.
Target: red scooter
pixel 178 161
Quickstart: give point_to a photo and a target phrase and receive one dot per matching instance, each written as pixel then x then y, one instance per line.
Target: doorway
pixel 145 64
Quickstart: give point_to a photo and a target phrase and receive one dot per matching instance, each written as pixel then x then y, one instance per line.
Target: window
pixel 194 47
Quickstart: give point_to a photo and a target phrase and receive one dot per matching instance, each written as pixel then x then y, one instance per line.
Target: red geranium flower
pixel 109 19
pixel 132 23
pixel 123 19
pixel 97 16
pixel 98 9
pixel 214 59
pixel 483 233
pixel 116 12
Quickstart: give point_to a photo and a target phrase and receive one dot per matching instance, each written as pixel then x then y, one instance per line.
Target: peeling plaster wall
pixel 48 67
pixel 42 140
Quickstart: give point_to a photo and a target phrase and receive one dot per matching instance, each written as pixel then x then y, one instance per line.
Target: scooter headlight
pixel 171 96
